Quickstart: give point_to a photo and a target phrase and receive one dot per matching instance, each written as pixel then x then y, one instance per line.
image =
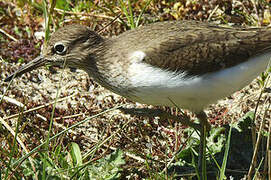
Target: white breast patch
pixel 159 87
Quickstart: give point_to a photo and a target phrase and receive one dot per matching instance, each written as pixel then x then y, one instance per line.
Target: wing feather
pixel 195 47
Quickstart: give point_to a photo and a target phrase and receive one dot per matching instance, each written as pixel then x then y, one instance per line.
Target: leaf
pixel 216 140
pixel 116 158
pixel 62 4
pixel 185 155
pixel 107 168
pixel 245 122
pixel 76 154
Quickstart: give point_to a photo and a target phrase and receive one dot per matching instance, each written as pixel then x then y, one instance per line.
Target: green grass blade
pixel 257 169
pixel 204 169
pixel 142 12
pixel 13 146
pixel 194 164
pixel 47 19
pixel 131 15
pixel 60 133
pixel 225 158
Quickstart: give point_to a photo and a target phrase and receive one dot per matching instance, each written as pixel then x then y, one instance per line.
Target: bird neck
pixel 103 67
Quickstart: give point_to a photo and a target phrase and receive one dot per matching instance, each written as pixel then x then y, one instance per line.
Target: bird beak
pixel 34 64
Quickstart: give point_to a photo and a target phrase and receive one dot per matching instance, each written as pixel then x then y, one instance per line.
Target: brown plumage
pixel 195 49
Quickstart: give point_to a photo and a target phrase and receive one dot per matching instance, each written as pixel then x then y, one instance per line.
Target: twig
pixel 8 35
pixel 18 162
pixel 92 139
pixel 269 164
pixel 82 14
pixel 256 148
pixel 113 148
pixel 19 141
pixel 138 158
pixel 70 116
pixel 256 11
pixel 109 23
pixel 268 141
pixel 41 117
pixel 175 154
pixel 212 13
pixel 13 133
pixel 13 101
pixel 39 107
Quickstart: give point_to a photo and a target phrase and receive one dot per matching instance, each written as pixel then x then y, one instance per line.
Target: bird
pixel 188 64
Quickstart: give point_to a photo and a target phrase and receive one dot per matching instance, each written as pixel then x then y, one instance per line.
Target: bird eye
pixel 60 48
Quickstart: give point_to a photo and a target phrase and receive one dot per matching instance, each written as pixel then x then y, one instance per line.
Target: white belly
pixel 156 87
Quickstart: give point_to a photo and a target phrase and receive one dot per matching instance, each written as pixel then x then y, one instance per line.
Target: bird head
pixel 70 46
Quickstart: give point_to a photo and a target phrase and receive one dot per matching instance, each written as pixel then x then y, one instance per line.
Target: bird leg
pixel 205 127
pixel 203 120
pixel 185 120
